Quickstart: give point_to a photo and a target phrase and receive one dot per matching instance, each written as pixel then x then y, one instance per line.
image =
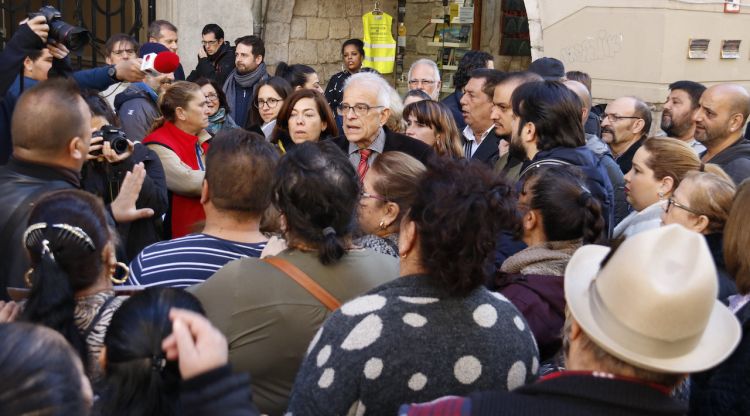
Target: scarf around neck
pixel 548 258
pixel 243 80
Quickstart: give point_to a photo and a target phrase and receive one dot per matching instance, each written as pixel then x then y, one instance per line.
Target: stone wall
pixel 311 32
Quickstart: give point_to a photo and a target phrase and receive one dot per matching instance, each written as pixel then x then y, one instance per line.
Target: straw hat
pixel 654 303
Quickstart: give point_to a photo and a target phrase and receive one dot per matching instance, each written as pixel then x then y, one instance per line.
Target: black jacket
pixel 217 392
pixel 454 105
pixel 577 395
pixel 23 42
pixel 216 67
pixel 625 160
pixel 104 179
pixel 723 390
pixel 21 184
pixel 487 151
pixel 395 142
pixel 735 160
pixel 597 179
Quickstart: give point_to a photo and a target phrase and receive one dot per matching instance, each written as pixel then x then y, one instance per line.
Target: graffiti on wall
pixel 602 46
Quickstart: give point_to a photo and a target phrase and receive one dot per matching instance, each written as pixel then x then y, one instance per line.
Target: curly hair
pixel 459 210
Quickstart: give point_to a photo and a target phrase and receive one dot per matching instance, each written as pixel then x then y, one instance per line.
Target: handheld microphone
pixel 160 63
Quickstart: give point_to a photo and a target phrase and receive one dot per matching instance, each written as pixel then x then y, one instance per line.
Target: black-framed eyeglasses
pixel 671 202
pixel 212 96
pixel 364 194
pixel 360 110
pixel 614 118
pixel 209 42
pixel 270 103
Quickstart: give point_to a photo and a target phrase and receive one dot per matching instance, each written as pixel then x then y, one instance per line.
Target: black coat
pixel 453 102
pixel 577 395
pixel 723 390
pixel 735 160
pixel 396 142
pixel 217 392
pixel 487 151
pixel 216 67
pixel 21 184
pixel 104 179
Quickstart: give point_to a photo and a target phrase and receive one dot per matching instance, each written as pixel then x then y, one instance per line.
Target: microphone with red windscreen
pixel 160 63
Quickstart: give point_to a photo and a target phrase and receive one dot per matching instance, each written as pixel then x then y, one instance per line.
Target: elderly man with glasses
pixel 365 110
pixel 625 124
pixel 424 75
pixel 215 56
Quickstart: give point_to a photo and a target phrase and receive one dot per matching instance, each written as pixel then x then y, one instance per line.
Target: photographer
pixel 105 169
pixel 30 36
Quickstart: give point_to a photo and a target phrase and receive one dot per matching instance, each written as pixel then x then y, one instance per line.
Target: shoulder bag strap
pixel 305 281
pixel 87 331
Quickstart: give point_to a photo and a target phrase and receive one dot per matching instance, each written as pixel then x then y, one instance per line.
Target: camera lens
pixel 74 38
pixel 119 145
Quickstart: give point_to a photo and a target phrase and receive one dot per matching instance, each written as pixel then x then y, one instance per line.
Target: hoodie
pixel 136 107
pixel 597 179
pixel 735 160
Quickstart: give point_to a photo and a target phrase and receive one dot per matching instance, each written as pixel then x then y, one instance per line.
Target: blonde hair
pixel 737 239
pixel 176 95
pixel 397 179
pixel 712 196
pixel 670 157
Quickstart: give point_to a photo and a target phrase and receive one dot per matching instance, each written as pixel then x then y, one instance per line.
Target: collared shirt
pixel 697 146
pixel 376 146
pixel 470 141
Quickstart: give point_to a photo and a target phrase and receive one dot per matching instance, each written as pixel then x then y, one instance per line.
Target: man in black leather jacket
pixel 51 136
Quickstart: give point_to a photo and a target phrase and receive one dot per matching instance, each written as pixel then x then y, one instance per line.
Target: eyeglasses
pixel 360 110
pixel 614 118
pixel 270 103
pixel 671 202
pixel 209 42
pixel 121 52
pixel 418 82
pixel 212 96
pixel 364 194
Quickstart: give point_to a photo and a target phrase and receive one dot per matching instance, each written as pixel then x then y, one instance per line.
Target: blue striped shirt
pixel 187 260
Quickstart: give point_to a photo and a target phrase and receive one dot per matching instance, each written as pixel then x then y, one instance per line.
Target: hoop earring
pixel 124 279
pixel 27 277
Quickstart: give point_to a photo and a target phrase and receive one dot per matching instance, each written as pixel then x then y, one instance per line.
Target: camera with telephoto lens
pixel 75 38
pixel 115 137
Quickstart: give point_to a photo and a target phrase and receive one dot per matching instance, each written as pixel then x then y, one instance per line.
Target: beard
pixel 706 135
pixel 516 150
pixel 674 127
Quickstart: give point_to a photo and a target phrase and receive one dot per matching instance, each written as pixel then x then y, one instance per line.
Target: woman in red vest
pixel 180 141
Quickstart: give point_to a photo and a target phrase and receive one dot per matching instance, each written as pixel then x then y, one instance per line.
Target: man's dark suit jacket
pixel 396 142
pixel 487 151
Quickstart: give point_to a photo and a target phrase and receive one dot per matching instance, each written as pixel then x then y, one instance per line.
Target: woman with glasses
pixel 218 109
pixel 431 122
pixel 702 203
pixel 180 141
pixel 267 102
pixel 659 166
pixel 387 193
pixel 304 117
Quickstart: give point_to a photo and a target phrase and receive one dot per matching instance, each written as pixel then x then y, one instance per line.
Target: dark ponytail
pixel 139 380
pixel 317 190
pixel 52 304
pixel 569 210
pixel 65 240
pixel 296 74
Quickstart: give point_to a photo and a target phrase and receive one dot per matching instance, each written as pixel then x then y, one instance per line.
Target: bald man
pixel 625 125
pixel 602 152
pixel 719 121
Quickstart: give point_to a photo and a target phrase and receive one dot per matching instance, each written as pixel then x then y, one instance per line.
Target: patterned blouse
pixel 335 87
pixel 409 341
pixel 89 311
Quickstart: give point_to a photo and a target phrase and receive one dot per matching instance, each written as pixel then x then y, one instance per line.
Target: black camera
pixel 75 38
pixel 115 137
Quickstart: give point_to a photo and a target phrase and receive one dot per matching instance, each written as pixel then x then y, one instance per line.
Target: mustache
pixel 607 130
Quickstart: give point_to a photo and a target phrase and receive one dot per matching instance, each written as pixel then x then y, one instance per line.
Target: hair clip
pixel 158 362
pixel 329 231
pixel 34 236
pixel 69 232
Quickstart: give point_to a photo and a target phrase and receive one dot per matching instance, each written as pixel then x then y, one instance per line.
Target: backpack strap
pixel 322 295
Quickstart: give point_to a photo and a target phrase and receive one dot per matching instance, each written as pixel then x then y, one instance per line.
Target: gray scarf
pixel 548 258
pixel 246 80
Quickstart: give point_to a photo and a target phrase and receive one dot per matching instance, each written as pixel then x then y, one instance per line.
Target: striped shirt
pixel 187 260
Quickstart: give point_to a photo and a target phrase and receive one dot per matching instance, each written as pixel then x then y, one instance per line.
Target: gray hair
pixel 428 62
pixel 371 80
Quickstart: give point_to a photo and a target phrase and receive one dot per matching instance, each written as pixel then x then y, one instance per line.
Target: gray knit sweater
pixel 408 341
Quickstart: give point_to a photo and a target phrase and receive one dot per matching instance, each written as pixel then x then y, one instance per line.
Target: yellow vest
pixel 380 47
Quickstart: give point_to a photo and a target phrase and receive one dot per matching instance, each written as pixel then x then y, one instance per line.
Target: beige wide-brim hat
pixel 654 303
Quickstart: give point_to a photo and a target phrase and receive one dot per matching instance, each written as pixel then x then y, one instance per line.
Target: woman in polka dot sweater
pixel 436 330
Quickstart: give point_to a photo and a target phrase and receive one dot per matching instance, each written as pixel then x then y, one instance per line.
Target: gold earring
pixel 27 277
pixel 382 225
pixel 124 279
